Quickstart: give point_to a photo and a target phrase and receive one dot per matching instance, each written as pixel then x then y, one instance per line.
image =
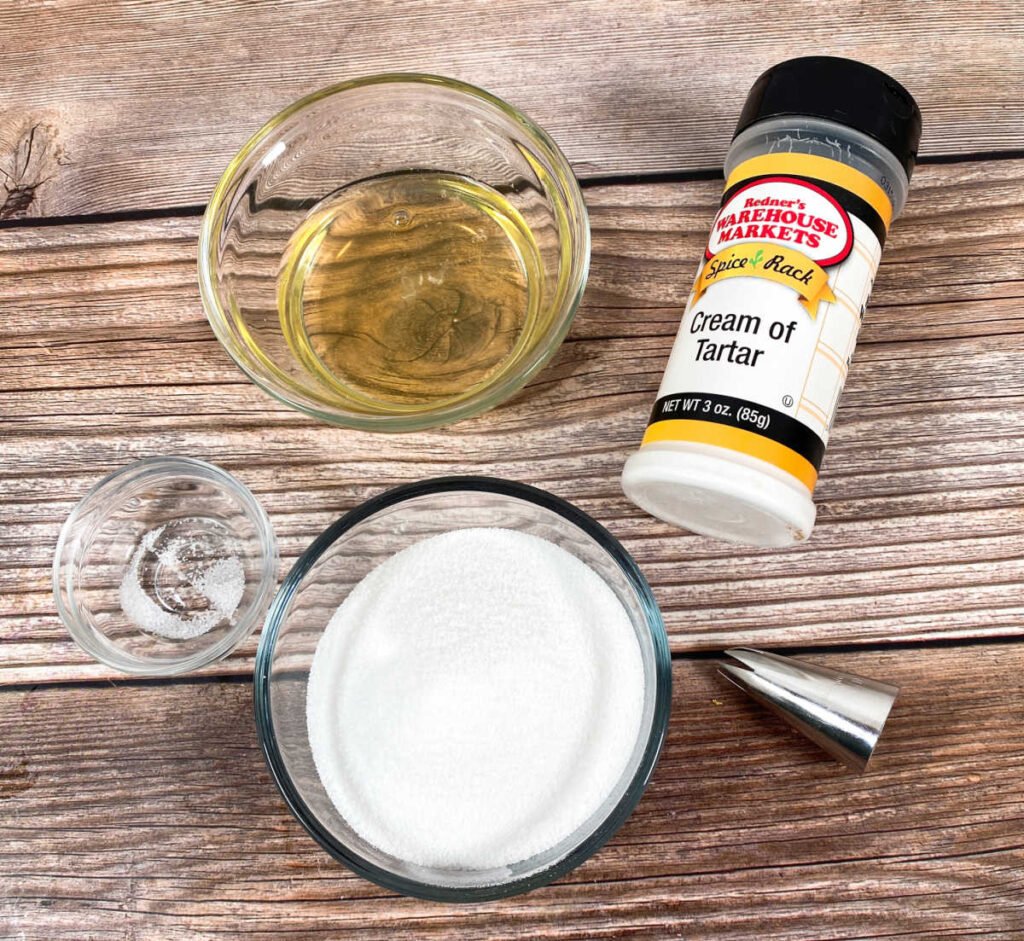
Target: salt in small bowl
pixel 165 566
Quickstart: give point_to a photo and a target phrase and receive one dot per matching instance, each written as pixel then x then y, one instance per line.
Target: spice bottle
pixel 818 169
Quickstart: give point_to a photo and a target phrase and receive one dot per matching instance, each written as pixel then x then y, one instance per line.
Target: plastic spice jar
pixel 817 171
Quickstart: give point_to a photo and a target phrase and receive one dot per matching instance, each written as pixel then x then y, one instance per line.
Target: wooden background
pixel 141 809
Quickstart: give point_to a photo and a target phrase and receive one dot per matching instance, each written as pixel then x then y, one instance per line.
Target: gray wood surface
pixel 108 358
pixel 140 105
pixel 142 810
pixel 162 823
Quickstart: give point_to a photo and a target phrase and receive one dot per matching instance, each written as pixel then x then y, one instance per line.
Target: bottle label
pixel 770 326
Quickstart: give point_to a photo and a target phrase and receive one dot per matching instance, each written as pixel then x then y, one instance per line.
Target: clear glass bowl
pixel 175 523
pixel 364 130
pixel 322 579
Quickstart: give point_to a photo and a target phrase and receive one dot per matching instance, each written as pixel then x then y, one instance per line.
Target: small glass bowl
pixel 321 580
pixel 365 130
pixel 157 538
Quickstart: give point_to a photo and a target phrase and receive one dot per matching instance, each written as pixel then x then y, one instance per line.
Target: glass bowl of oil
pixel 394 253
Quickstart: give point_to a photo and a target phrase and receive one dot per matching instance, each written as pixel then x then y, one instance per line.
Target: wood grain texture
pixel 162 823
pixel 134 105
pixel 106 357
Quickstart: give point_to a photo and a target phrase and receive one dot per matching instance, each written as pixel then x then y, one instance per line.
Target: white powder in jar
pixel 475 699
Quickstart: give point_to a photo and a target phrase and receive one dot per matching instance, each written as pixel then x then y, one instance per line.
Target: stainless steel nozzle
pixel 841 712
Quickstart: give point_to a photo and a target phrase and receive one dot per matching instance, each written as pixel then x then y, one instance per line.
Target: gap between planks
pixel 691 656
pixel 586 182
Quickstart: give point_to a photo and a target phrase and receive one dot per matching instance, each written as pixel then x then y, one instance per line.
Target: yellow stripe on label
pixel 819 168
pixel 735 439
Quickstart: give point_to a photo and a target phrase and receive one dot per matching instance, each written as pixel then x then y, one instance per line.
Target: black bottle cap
pixel 840 90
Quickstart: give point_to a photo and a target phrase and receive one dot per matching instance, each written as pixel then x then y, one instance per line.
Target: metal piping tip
pixel 841 712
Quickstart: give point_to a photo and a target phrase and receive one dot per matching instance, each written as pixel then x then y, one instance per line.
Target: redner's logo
pixel 784 211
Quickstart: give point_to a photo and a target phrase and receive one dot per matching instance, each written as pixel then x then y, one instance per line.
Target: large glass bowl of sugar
pixel 323 580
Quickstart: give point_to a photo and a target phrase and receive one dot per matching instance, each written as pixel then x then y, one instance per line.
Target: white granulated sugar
pixel 221 584
pixel 475 699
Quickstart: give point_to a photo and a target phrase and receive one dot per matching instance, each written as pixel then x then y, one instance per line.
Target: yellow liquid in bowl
pixel 411 290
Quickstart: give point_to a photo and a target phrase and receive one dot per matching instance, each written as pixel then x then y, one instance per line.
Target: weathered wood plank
pixel 163 824
pixel 107 358
pixel 124 106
